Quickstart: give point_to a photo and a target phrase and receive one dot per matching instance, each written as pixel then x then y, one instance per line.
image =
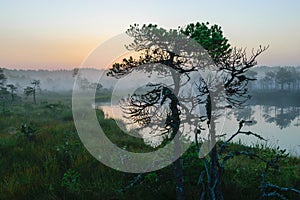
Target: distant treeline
pixel 267 78
pixel 56 80
pixel 285 78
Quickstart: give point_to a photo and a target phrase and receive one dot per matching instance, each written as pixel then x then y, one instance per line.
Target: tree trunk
pixel 178 174
pixel 34 100
pixel 177 169
pixel 12 96
pixel 215 192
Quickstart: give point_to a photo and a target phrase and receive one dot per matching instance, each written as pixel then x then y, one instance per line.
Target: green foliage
pixel 28 130
pixel 210 38
pixel 71 181
pixel 152 177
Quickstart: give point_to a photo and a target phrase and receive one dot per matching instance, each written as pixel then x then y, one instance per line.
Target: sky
pixel 60 34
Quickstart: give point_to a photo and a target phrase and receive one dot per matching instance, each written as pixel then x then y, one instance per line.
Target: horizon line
pixel 95 68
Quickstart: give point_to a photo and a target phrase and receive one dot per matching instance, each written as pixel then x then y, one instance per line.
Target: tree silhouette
pixel 4 96
pixel 156 48
pixel 234 64
pixel 12 89
pixel 31 90
pixel 282 77
pixel 2 77
pixel 230 65
pixel 268 81
pixel 3 90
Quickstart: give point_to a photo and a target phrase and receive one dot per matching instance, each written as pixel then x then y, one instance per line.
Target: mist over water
pixel 275 113
pixel 56 80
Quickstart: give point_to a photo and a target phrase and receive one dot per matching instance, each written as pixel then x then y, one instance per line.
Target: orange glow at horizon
pixel 70 52
pixel 35 53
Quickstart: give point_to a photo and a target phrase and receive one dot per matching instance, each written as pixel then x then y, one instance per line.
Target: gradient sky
pixel 61 33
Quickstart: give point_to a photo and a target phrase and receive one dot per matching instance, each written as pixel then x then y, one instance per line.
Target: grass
pixel 55 165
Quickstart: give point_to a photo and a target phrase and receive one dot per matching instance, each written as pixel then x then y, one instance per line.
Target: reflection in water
pixel 281 116
pixel 278 124
pixel 246 113
pixel 154 134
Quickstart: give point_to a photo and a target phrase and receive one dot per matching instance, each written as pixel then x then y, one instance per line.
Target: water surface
pixel 279 125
